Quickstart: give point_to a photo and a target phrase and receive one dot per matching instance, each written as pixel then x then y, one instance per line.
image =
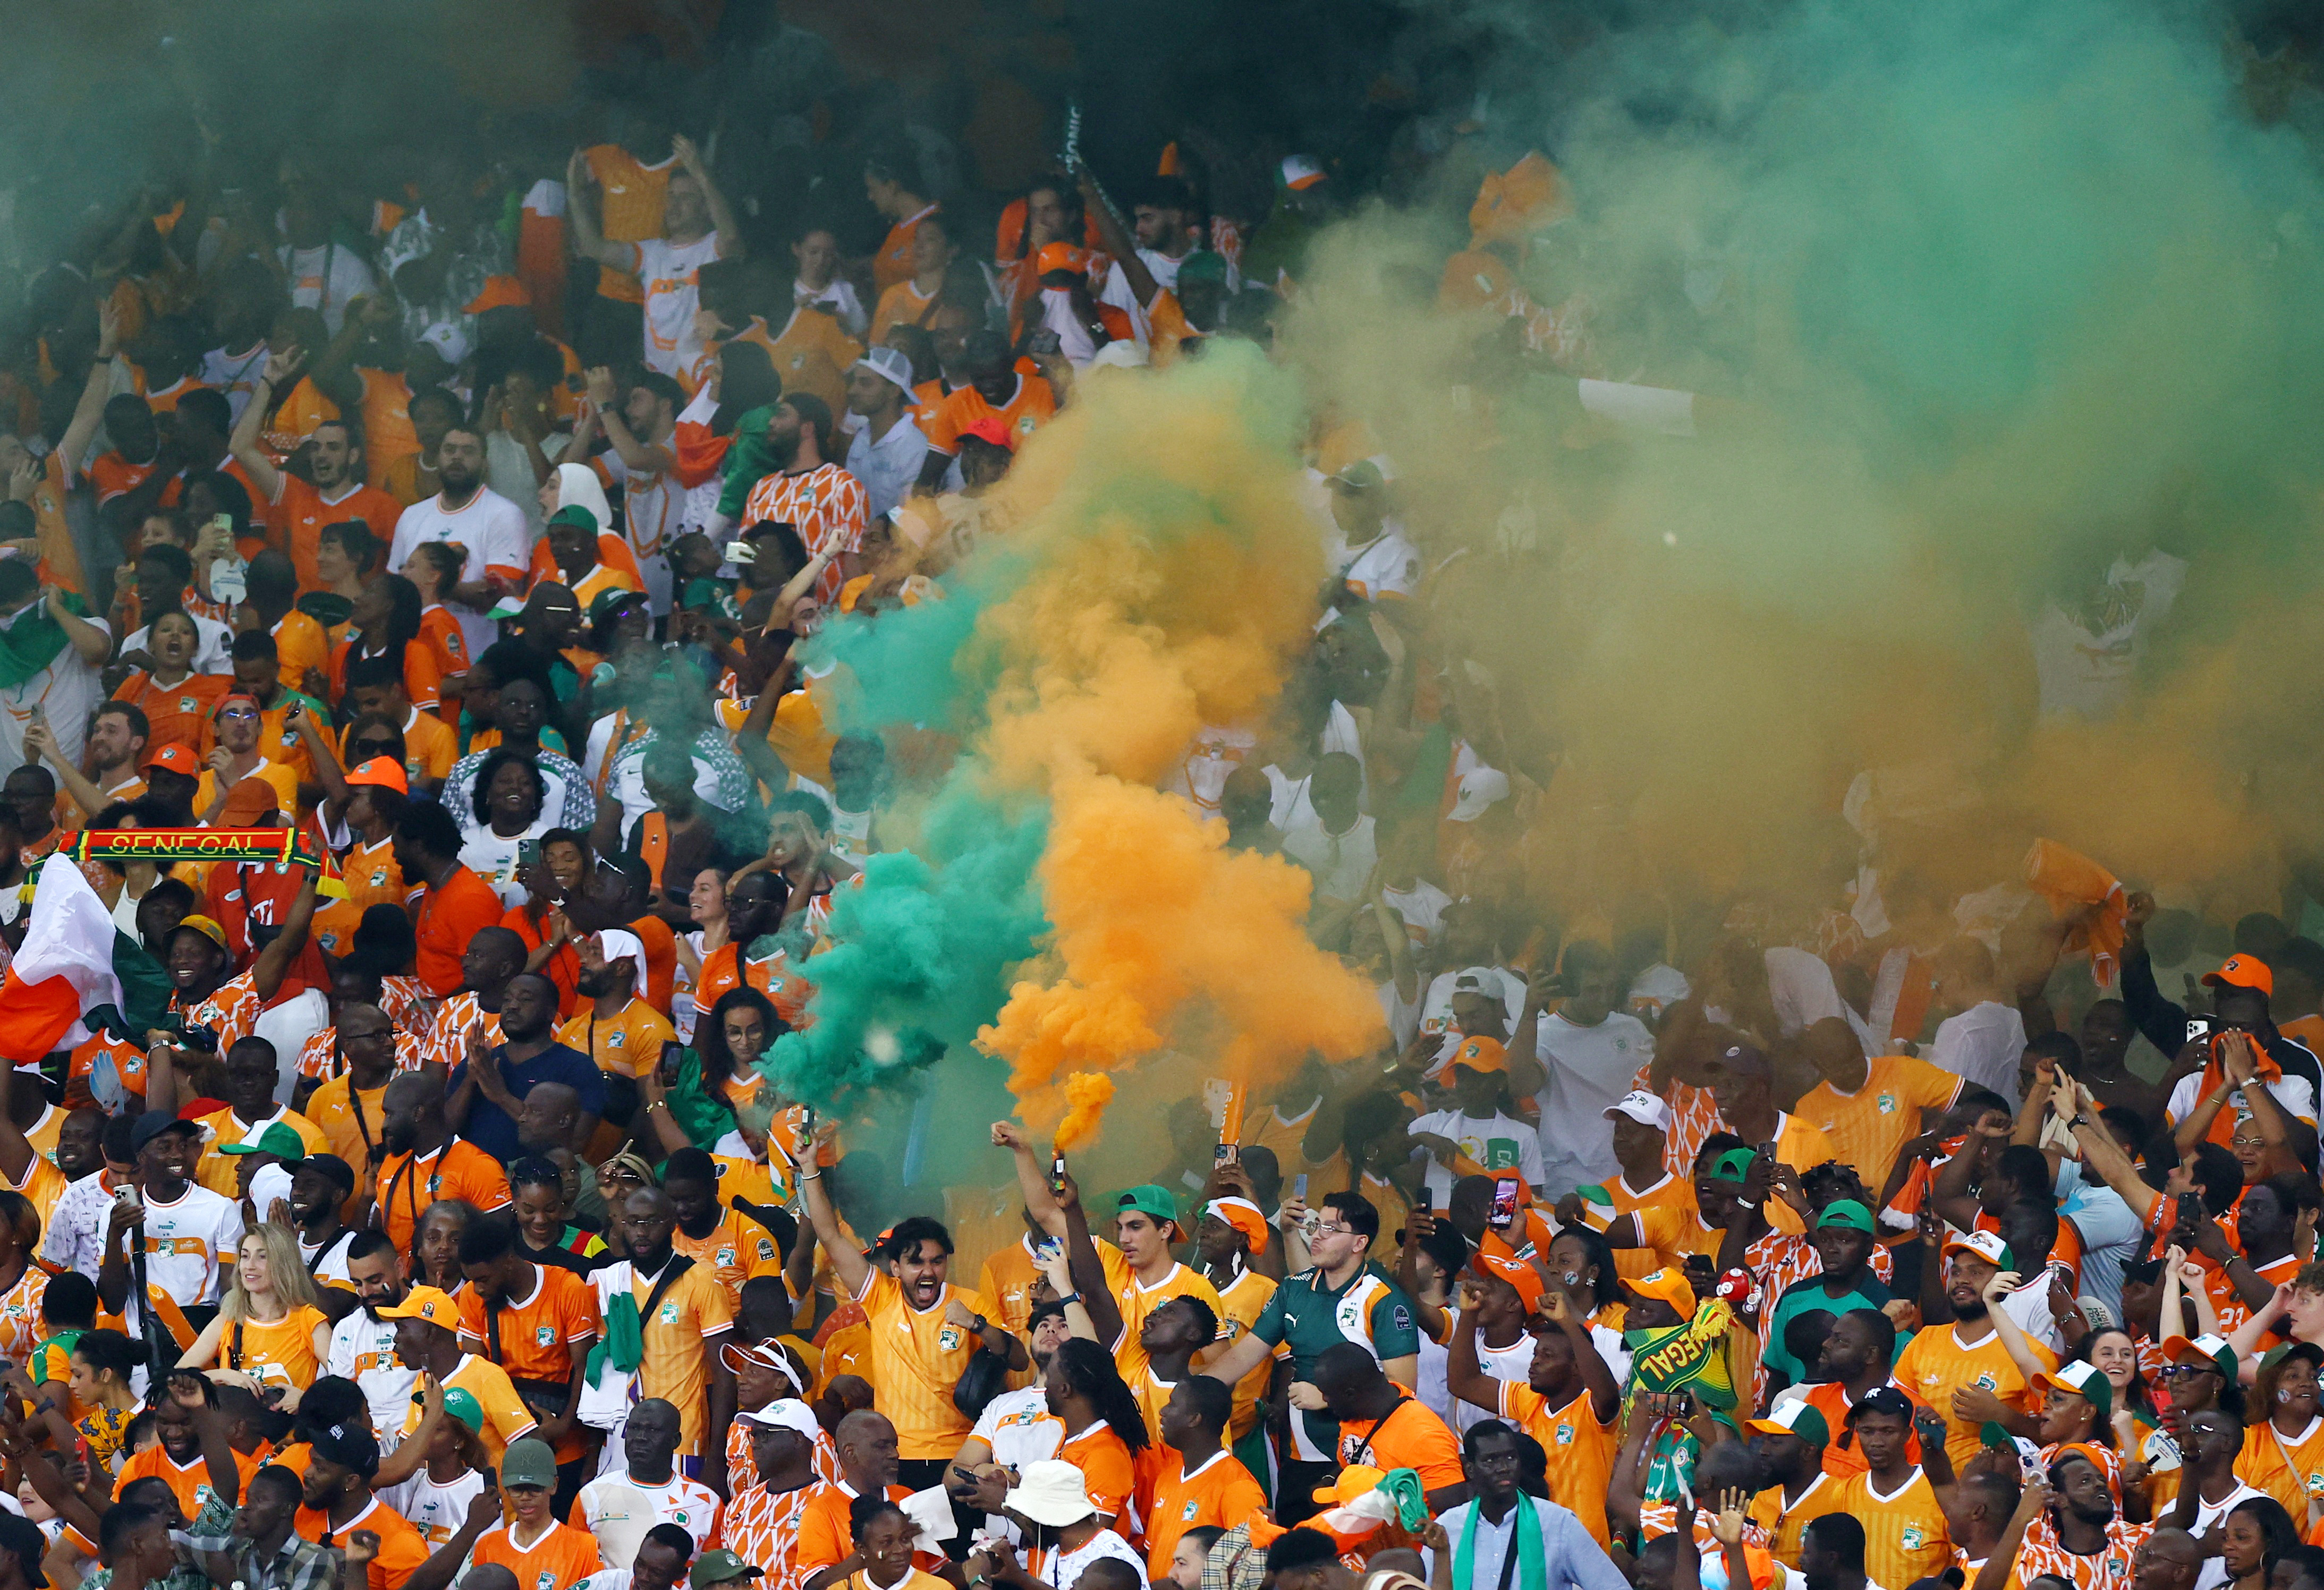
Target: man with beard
pixel 2070 1527
pixel 486 526
pixel 731 1246
pixel 363 1344
pixel 1963 1372
pixel 1901 1502
pixel 684 1320
pixel 334 491
pixel 538 1323
pixel 618 1030
pixel 320 1188
pixel 485 1088
pixel 252 1067
pixel 1858 1356
pixel 425 1163
pixel 924 1331
pixel 619 1506
pixel 1792 1440
pixel 827 505
pixel 1007 1433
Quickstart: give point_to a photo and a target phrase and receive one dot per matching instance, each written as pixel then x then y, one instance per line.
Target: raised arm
pixel 1117 241
pixel 88 414
pixel 2102 1154
pixel 722 219
pixel 1605 1392
pixel 274 963
pixel 243 444
pixel 2002 1565
pixel 588 242
pixel 846 1263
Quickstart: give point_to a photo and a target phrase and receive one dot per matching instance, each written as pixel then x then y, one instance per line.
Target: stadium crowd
pixel 437 1225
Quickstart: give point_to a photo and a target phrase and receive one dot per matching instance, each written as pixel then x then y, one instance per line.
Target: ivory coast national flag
pixel 76 974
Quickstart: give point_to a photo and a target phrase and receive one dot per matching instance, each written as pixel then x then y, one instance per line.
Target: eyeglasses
pixel 1334 1229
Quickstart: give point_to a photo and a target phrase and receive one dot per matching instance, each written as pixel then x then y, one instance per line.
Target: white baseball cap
pixel 889 364
pixel 1481 979
pixel 786 1413
pixel 1642 1106
pixel 448 341
pixel 1480 790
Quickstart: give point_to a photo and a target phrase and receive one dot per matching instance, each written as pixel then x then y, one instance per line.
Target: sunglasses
pixel 2184 1371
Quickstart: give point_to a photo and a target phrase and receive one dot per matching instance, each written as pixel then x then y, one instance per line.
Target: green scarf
pixel 1530 1574
pixel 624 1343
pixel 31 642
pixel 704 1119
pixel 748 460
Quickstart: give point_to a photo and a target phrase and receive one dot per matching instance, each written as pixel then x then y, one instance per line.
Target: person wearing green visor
pixel 1843 1239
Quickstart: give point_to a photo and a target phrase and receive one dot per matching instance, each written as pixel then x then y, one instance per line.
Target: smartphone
pixel 222 523
pixel 1057 1175
pixel 1225 1154
pixel 2190 1210
pixel 528 853
pixel 1043 341
pixel 1505 1203
pixel 1425 1202
pixel 2200 1028
pixel 1299 1186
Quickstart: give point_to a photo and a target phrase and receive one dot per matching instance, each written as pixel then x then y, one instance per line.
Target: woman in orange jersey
pixel 269 1331
pixel 883 1541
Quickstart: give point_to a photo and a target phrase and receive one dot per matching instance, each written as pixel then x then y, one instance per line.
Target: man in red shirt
pixel 455 903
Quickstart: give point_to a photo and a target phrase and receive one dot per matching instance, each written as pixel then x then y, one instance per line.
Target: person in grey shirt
pixel 1501 1516
pixel 888 451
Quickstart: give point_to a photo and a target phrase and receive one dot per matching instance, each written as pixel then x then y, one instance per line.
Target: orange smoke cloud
pixel 1087 1093
pixel 1172 577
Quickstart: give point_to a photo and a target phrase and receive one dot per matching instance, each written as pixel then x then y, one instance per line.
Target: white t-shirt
pixel 1423 909
pixel 491 530
pixel 1656 990
pixel 670 272
pixel 363 1350
pixel 653 515
pixel 66 691
pixel 2293 1093
pixel 1436 1006
pixel 493 857
pixel 327 279
pixel 1983 1044
pixel 2208 1513
pixel 1494 1142
pixel 1342 863
pixel 619 1511
pixel 186 1241
pixel 436 1511
pixel 1589 1069
pixel 1019 1428
pixel 333 1263
pixel 1387 565
pixel 213 645
pixel 1402 1016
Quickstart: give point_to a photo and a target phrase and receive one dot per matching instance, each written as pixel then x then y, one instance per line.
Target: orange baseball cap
pixel 1482 1055
pixel 385 772
pixel 176 757
pixel 247 801
pixel 990 430
pixel 1668 1284
pixel 1517 1272
pixel 426 1302
pixel 2243 971
pixel 1060 256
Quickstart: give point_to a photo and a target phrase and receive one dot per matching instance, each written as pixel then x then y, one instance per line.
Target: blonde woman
pixel 269 1333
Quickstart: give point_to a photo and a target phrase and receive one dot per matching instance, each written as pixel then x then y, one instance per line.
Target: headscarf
pixel 577 487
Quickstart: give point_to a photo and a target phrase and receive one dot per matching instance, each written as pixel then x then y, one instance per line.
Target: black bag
pixel 985 1378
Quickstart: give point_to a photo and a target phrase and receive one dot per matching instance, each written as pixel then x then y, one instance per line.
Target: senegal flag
pixel 1689 1358
pixel 77 974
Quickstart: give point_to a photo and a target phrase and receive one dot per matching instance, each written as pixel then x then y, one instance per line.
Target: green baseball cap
pixel 463 1406
pixel 1797 1416
pixel 1152 1200
pixel 577 516
pixel 1733 1165
pixel 2083 1381
pixel 718 1566
pixel 1848 1212
pixel 528 1463
pixel 282 1140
